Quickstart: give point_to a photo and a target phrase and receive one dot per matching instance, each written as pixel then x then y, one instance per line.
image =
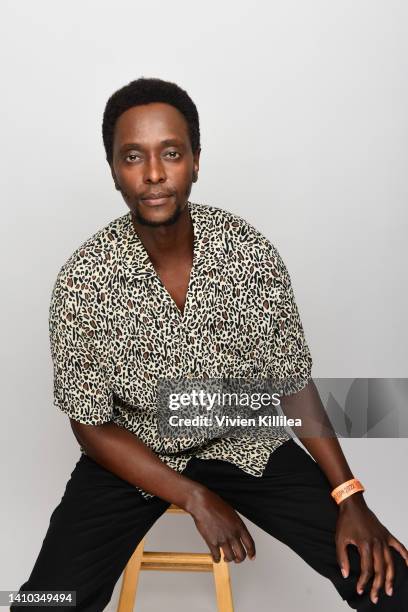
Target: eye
pixel 131 155
pixel 173 153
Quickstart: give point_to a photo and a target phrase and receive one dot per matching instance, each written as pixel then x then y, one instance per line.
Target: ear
pixel 196 164
pixel 114 178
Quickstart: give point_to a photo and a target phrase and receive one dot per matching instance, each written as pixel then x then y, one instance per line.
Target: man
pixel 179 289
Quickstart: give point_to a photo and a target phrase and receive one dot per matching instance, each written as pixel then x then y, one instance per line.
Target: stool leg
pixel 130 579
pixel 223 586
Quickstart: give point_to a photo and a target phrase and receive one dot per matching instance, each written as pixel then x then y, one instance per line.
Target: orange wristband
pixel 346 489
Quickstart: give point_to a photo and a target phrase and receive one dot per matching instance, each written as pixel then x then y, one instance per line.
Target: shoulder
pixel 244 238
pixel 88 266
pixel 95 251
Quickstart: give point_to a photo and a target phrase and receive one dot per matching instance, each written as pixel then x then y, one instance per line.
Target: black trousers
pixel 101 518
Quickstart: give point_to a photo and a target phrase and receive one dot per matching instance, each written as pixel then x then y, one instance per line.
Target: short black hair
pixel 143 91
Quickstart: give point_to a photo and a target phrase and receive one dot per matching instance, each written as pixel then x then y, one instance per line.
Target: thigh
pixel 291 501
pixel 286 501
pixel 92 533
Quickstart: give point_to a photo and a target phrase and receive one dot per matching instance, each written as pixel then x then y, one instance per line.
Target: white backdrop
pixel 304 133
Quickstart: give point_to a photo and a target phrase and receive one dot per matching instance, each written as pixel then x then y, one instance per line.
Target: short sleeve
pixel 291 358
pixel 79 384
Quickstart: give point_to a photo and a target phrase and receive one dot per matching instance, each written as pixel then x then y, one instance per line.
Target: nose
pixel 154 170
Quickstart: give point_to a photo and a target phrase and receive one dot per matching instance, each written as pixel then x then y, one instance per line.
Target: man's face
pixel 152 155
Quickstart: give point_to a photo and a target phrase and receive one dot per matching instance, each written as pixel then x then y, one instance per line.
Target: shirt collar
pixel 210 250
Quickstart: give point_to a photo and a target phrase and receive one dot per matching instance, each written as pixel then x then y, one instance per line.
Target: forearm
pixel 329 455
pixel 324 448
pixel 125 455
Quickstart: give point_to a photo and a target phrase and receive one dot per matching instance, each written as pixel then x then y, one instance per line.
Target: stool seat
pixel 174 561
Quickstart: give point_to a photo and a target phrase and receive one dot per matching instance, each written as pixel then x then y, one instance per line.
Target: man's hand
pixel 358 525
pixel 220 526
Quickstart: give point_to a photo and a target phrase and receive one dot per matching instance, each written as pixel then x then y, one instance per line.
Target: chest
pixel 179 324
pixel 175 281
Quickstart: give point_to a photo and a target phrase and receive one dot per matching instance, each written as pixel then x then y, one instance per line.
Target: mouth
pixel 154 201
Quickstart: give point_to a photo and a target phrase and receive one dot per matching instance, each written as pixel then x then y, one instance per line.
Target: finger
pixel 342 558
pixel 215 553
pixel 238 549
pixel 366 562
pixel 378 562
pixel 389 570
pixel 248 542
pixel 398 547
pixel 229 554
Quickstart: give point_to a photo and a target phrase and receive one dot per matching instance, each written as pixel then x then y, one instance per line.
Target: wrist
pixel 194 497
pixel 356 500
pixel 346 489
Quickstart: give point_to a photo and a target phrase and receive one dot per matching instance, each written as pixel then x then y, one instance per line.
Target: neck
pixel 167 243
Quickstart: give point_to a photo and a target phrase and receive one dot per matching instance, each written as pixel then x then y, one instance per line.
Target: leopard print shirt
pixel 115 329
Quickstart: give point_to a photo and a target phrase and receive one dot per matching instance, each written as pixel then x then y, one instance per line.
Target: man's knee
pixel 397 602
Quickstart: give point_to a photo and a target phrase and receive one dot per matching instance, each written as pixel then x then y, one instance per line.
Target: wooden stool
pixel 174 561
